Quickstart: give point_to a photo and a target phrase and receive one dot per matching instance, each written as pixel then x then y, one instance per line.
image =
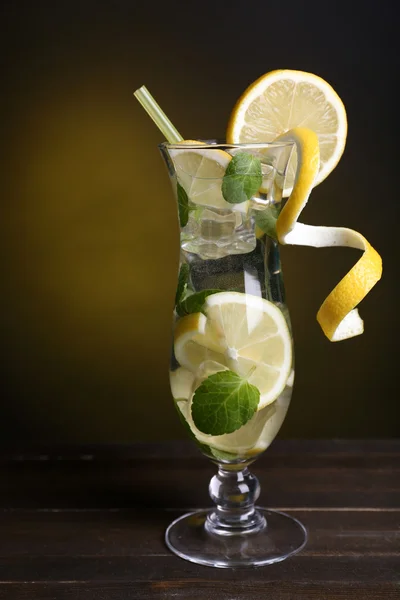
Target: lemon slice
pixel 239 442
pixel 251 439
pixel 245 333
pixel 200 172
pixel 274 421
pixel 338 315
pixel 281 100
pixel 181 382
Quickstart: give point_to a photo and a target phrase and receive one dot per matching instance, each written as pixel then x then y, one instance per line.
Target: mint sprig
pixel 242 179
pixel 223 403
pixel 193 303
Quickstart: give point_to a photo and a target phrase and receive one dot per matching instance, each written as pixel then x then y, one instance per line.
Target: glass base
pixel 282 537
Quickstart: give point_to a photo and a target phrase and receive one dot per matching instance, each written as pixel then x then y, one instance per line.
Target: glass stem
pixel 234 493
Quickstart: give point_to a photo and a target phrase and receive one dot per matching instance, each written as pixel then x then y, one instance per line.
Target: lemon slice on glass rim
pixel 278 103
pixel 283 99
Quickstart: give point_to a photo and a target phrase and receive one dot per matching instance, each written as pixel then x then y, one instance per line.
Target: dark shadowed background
pixel 88 228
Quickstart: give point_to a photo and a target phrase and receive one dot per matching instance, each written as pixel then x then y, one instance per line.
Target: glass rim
pixel 217 145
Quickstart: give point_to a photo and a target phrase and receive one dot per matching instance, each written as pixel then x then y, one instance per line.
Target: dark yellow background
pixel 88 230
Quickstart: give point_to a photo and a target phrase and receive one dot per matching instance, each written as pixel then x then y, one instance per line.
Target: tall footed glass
pixel 232 366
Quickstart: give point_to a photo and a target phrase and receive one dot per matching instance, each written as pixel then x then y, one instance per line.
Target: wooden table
pixel 88 523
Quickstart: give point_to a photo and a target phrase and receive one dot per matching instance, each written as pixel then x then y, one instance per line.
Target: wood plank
pixel 199 590
pixel 89 522
pixel 292 473
pixel 181 448
pixel 173 486
pixel 300 568
pixel 140 533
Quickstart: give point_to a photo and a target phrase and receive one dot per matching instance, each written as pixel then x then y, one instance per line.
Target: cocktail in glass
pixel 232 367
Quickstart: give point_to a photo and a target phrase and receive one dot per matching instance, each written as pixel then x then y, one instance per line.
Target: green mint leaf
pixel 266 220
pixel 183 205
pixel 242 179
pixel 183 278
pixel 194 303
pixel 223 403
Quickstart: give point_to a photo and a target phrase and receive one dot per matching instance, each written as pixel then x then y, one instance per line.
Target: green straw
pixel 159 117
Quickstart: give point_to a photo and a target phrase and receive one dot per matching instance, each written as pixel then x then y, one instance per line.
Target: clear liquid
pixel 256 273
